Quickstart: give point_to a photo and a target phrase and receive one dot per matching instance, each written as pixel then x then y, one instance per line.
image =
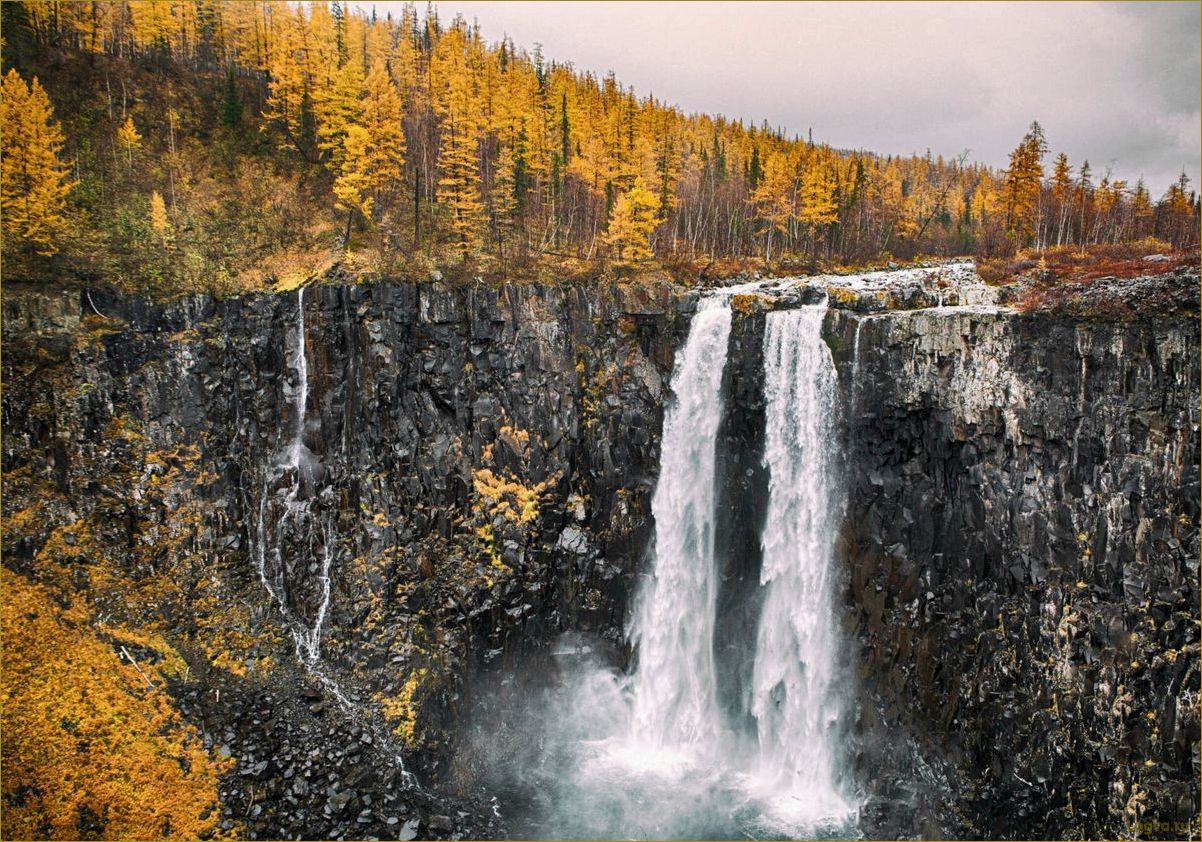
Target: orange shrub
pixel 90 750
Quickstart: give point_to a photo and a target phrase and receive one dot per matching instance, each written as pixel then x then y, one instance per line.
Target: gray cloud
pixel 1109 82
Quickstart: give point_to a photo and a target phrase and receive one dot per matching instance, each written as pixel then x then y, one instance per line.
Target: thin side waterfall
pixel 855 352
pixel 301 362
pixel 794 703
pixel 674 688
pixel 294 540
pixel 294 517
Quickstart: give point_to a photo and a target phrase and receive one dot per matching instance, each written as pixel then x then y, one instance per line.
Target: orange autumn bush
pixel 90 750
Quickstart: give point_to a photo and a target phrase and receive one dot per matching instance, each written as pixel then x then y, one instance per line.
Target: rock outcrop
pixel 1022 552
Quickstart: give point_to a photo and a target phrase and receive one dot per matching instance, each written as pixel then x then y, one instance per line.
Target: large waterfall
pixel 795 703
pixel 652 753
pixel 675 693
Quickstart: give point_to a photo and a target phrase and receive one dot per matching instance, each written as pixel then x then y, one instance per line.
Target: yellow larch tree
pixel 153 24
pixel 1141 209
pixel 34 181
pixel 352 187
pixel 288 95
pixel 245 27
pixel 773 197
pixel 455 101
pixel 403 56
pixel 1022 180
pixel 127 134
pixel 158 215
pixel 819 207
pixel 381 118
pixel 631 222
pixel 1062 196
pixel 336 109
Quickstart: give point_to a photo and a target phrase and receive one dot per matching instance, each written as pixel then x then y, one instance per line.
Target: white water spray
pixel 652 754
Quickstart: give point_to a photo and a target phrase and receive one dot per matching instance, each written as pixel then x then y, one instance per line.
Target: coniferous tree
pixel 631 223
pixel 158 215
pixel 231 106
pixel 35 183
pixel 1023 178
pixel 380 116
pixel 129 137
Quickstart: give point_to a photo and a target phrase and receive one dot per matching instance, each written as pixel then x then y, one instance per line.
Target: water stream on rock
pixel 294 541
pixel 795 702
pixel 293 544
pixel 674 688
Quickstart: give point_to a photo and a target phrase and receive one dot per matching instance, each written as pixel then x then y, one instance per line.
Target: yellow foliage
pixel 158 214
pixel 381 118
pixel 33 182
pixel 453 78
pixel 354 178
pixel 402 708
pixel 129 137
pixel 517 502
pixel 86 739
pixel 748 303
pixel 632 221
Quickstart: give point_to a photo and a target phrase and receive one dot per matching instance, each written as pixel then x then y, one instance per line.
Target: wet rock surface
pixel 477 463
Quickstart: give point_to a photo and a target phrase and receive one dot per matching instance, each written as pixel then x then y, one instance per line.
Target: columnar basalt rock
pixel 1022 550
pixel 1018 562
pixel 478 461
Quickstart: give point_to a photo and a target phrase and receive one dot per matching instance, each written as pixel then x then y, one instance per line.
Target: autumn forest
pixel 208 145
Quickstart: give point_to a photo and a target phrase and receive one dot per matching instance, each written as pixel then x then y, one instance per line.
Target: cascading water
pixel 674 689
pixel 652 753
pixel 794 700
pixel 288 539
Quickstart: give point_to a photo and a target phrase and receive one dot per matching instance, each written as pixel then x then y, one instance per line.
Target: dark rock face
pixel 1022 543
pixel 476 466
pixel 1020 552
pixel 741 479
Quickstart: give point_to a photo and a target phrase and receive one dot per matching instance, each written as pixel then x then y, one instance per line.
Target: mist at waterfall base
pixel 576 746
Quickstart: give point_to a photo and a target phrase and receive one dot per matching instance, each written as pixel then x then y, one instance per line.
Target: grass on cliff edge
pixel 1071 264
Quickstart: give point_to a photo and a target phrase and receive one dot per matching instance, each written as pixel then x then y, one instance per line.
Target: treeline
pixel 204 137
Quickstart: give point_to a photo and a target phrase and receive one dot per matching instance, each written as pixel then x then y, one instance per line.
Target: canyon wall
pixel 1018 564
pixel 1022 553
pixel 477 467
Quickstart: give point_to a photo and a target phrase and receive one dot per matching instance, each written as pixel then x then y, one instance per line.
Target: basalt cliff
pixel 349 511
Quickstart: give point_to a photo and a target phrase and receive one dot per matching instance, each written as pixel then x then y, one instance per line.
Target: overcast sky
pixel 1115 83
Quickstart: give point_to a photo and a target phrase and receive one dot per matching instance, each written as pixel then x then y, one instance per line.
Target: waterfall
pixel 301 361
pixel 794 702
pixel 651 753
pixel 290 537
pixel 293 544
pixel 675 693
pixel 855 353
